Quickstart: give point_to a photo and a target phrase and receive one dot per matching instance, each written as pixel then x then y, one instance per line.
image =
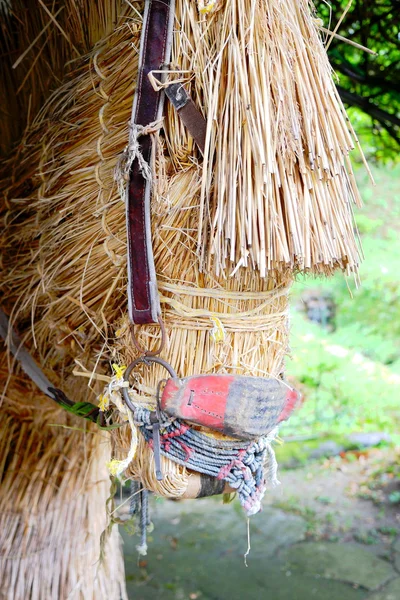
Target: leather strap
pixel 155 50
pixel 16 347
pixel 188 112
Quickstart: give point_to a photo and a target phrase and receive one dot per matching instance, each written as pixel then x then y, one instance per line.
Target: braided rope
pixel 139 507
pixel 239 463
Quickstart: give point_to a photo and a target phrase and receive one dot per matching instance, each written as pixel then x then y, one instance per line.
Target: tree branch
pixel 388 121
pixel 369 80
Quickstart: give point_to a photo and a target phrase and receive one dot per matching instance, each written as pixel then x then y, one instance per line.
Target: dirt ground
pixel 345 497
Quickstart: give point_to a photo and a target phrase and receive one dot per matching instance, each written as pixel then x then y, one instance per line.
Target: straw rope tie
pixel 132 152
pixel 115 258
pixel 103 126
pixel 183 316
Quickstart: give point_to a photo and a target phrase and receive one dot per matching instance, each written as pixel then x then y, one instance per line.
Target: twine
pixel 181 316
pixel 133 152
pixel 223 294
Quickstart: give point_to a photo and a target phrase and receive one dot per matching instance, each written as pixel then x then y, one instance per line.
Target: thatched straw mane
pixel 54 488
pixel 70 277
pixel 272 196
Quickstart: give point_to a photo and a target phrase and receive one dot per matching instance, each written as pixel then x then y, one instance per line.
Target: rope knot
pixel 133 152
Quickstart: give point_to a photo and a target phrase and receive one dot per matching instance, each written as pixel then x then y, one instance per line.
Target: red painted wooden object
pixel 243 407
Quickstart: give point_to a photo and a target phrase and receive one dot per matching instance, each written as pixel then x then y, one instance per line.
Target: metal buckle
pixel 147 360
pixel 154 416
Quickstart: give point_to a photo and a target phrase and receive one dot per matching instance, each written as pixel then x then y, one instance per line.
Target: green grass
pixel 351 377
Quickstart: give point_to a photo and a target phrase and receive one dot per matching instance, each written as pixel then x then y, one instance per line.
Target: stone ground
pixel 318 536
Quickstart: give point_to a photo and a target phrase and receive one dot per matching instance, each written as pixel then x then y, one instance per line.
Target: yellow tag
pixel 114 466
pixel 104 402
pixel 119 370
pixel 206 7
pixel 218 331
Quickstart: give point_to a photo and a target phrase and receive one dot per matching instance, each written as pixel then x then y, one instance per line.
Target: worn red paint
pixel 203 400
pixel 292 398
pixel 239 406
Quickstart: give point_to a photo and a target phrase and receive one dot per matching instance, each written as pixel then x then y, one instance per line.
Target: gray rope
pixel 143 520
pixel 239 463
pixel 139 507
pixel 134 505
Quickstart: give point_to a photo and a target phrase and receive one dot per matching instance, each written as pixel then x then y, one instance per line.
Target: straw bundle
pixel 39 40
pixel 54 488
pixel 50 541
pixel 277 185
pixel 272 195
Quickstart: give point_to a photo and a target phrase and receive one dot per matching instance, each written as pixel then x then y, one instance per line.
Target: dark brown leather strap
pixel 144 305
pixel 188 112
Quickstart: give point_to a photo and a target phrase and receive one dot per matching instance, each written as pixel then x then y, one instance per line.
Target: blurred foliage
pixel 350 377
pixel 369 84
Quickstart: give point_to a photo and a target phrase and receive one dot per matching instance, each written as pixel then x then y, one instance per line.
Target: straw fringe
pixel 276 187
pixel 54 488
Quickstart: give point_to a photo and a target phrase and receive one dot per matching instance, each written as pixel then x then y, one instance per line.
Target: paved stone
pixel 207 516
pixel 396 562
pixel 196 552
pixel 391 591
pixel 396 555
pixel 345 562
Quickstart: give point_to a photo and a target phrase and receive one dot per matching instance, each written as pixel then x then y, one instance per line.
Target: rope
pixel 139 506
pixel 134 505
pixel 144 521
pixel 231 319
pixel 220 293
pixel 239 463
pixel 133 152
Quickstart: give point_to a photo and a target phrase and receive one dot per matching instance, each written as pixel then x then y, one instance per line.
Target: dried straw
pixel 38 41
pixel 277 184
pixel 54 488
pixel 49 536
pixel 273 196
pixel 71 266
